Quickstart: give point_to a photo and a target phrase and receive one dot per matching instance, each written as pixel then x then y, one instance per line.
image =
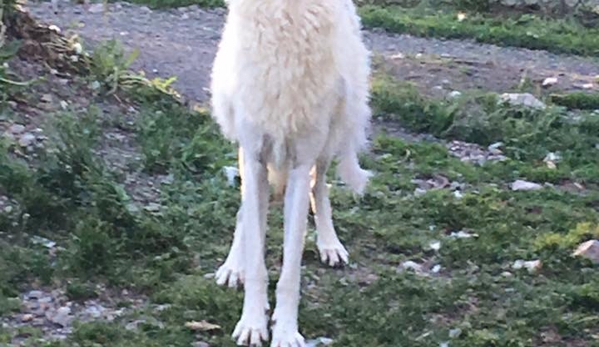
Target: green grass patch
pixel 558 36
pixel 577 100
pixel 528 135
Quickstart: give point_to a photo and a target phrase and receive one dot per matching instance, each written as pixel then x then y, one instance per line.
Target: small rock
pixel 45 300
pixel 589 250
pixel 26 140
pixel 419 192
pixel 131 326
pixel 494 148
pixel 455 94
pixel 27 318
pixel 201 326
pixel 453 333
pixel 95 311
pixel 35 294
pixel 549 81
pixel 62 316
pixel 200 344
pixel 153 207
pixel 525 185
pixel 411 265
pixel 588 86
pixel 47 98
pixel 162 307
pixel 462 235
pixel 554 157
pixel 16 129
pixel 435 245
pixel 38 240
pixel 38 322
pixel 523 99
pixel 530 265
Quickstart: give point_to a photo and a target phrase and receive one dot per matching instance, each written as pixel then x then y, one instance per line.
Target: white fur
pixel 290 85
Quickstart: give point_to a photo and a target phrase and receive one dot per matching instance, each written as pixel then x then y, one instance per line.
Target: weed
pixel 171 135
pixel 577 100
pixel 527 135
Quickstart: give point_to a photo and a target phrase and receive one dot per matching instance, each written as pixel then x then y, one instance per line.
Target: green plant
pixel 577 100
pixel 559 36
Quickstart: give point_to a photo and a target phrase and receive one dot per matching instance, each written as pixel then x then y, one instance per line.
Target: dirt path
pixel 182 42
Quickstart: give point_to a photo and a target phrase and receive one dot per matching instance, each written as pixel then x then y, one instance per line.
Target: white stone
pixel 549 81
pixel 525 185
pixel 455 94
pixel 16 129
pixel 523 99
pixel 589 250
pixel 530 265
pixel 26 140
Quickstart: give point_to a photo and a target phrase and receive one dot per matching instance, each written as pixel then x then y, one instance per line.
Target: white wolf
pixel 290 85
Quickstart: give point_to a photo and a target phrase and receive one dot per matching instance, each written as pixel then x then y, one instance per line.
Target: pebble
pixel 27 317
pixel 26 140
pixel 589 250
pixel 523 99
pixel 530 265
pixel 475 154
pixel 35 294
pixel 16 129
pixel 525 185
pixel 52 313
pixel 455 94
pixel 62 316
pixel 549 81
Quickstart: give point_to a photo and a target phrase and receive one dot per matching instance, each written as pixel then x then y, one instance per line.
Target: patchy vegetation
pixel 528 31
pixel 579 100
pixel 523 133
pixel 124 196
